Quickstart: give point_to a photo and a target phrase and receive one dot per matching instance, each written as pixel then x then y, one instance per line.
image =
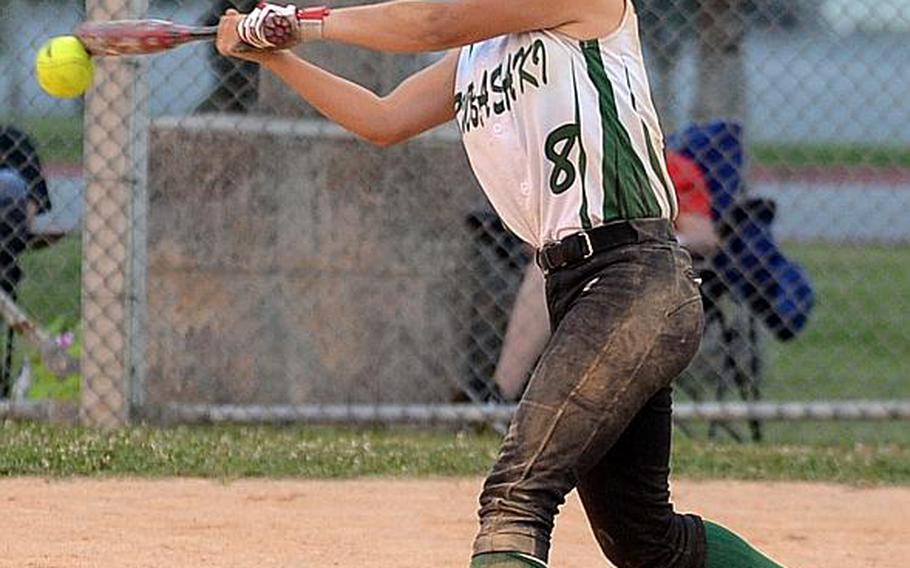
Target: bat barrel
pixel 139 37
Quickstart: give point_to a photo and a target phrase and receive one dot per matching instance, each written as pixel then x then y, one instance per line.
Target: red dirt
pixel 399 523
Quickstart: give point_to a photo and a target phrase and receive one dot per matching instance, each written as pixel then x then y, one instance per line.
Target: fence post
pixel 721 75
pixel 114 230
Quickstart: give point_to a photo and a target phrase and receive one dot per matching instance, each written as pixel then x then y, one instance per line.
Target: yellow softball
pixel 64 68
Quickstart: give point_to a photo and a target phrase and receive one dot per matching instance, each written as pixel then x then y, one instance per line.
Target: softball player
pixel 553 102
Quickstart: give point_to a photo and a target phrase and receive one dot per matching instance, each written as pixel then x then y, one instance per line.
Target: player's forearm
pixel 403 26
pixel 351 106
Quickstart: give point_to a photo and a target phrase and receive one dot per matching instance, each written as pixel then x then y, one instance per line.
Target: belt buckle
pixel 543 259
pixel 543 256
pixel 586 239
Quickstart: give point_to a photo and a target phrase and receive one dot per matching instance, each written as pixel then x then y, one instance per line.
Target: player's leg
pixel 626 492
pixel 627 499
pixel 586 389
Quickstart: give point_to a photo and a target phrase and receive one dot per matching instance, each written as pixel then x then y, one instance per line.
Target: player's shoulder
pixel 598 19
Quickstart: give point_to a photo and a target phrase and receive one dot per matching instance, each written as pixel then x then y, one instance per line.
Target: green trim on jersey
pixel 652 153
pixel 658 170
pixel 629 84
pixel 582 158
pixel 631 195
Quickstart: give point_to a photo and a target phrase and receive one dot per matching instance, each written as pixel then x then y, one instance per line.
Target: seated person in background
pixel 694 228
pixel 23 195
pixel 529 326
pixel 19 158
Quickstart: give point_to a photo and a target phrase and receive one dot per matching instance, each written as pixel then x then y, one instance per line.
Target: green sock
pixel 506 560
pixel 727 550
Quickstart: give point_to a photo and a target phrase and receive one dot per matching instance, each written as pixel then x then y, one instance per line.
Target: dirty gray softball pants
pixel 596 414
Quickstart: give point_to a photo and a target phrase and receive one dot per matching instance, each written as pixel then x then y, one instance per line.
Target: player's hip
pixel 637 263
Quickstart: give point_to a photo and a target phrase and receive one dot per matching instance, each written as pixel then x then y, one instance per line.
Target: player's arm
pixel 434 25
pixel 420 102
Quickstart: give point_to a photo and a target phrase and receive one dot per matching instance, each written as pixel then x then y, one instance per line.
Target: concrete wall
pixel 291 263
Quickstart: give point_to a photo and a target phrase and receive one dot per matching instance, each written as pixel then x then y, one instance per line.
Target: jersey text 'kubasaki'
pixel 562 134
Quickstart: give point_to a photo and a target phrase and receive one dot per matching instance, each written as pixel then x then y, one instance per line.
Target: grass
pixel 235 451
pixel 857 344
pixel 797 155
pixel 58 138
pixel 50 290
pixel 311 452
pixel 840 463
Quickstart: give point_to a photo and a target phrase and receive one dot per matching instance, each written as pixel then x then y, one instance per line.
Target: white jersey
pixel 562 134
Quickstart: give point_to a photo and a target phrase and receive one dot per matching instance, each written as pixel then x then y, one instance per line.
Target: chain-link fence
pixel 215 250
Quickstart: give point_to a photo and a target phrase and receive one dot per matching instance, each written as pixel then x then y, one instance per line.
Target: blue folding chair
pixel 749 280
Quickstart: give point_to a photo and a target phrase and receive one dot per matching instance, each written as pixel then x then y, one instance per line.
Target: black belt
pixel 579 247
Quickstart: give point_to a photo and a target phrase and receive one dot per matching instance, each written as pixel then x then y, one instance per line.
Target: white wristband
pixel 293 26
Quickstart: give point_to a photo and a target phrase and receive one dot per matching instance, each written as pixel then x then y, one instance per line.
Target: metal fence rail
pixel 861 410
pixel 214 250
pixel 463 414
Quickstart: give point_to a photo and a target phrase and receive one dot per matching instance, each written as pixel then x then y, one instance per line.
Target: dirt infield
pixel 398 524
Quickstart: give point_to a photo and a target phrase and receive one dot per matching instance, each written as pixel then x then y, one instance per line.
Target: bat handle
pixel 206 32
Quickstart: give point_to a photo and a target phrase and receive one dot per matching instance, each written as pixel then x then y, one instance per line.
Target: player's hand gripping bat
pixel 54 356
pixel 280 28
